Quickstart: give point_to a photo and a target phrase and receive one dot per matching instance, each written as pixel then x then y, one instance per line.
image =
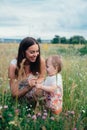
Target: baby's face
pixel 50 68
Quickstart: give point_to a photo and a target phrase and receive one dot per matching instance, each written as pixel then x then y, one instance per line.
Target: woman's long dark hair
pixel 25 43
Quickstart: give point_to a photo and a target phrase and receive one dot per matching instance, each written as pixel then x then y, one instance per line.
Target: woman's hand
pixel 32 82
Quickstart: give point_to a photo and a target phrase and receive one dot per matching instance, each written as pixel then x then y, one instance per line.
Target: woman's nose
pixel 35 54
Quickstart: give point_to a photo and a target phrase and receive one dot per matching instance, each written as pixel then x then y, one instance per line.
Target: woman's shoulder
pixel 42 59
pixel 13 65
pixel 43 64
pixel 14 61
pixel 11 69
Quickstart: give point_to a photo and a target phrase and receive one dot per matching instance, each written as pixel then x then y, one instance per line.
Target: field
pixel 16 116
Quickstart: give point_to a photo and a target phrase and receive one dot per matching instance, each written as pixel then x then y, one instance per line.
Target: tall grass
pixel 16 116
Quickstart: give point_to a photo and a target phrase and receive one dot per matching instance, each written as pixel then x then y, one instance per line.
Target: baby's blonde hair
pixel 56 62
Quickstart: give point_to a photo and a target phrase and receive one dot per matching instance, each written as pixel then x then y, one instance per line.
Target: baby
pixel 52 85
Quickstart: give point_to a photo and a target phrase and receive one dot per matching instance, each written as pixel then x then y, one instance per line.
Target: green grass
pixel 83 50
pixel 21 116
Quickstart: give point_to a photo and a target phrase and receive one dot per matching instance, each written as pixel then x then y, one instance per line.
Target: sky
pixel 43 18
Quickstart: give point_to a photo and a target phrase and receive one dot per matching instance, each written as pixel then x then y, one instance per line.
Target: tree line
pixel 72 40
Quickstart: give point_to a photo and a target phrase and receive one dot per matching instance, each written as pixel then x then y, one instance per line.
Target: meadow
pixel 16 116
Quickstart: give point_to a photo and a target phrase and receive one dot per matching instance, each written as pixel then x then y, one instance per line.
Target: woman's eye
pixel 32 52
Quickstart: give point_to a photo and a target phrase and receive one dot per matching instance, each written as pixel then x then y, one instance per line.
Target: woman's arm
pixel 42 75
pixel 14 84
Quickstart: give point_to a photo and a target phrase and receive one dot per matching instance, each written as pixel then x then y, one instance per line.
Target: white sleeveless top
pixel 14 62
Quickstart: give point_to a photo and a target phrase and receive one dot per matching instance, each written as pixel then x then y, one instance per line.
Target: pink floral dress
pixel 54 99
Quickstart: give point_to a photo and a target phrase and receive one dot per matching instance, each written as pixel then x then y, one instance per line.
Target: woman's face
pixel 32 52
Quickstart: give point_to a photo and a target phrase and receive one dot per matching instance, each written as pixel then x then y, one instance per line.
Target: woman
pixel 27 69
